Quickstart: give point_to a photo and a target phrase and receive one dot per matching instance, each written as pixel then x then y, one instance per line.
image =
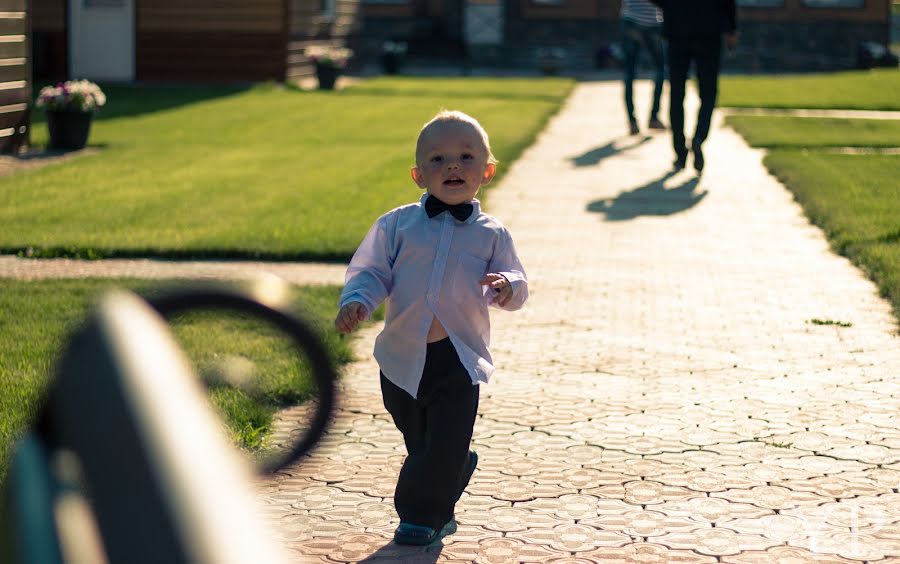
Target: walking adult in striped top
pixel 642 28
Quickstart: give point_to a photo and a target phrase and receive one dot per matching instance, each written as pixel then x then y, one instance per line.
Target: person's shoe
pixel 420 535
pixel 680 160
pixel 655 124
pixel 698 158
pixel 633 127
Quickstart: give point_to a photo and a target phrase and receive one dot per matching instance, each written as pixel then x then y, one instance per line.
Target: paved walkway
pixel 296 273
pixel 663 397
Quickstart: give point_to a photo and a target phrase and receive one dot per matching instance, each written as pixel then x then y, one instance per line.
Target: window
pixel 760 3
pixel 834 3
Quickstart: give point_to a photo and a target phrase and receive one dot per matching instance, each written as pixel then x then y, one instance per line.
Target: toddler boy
pixel 437 264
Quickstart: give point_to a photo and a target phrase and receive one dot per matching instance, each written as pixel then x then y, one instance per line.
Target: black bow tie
pixel 433 207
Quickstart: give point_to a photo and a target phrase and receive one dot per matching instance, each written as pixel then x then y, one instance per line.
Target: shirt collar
pixel 476 207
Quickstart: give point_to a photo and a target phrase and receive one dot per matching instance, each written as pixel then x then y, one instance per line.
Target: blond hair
pixel 450 116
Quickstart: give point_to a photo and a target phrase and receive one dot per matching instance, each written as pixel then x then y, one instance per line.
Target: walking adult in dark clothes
pixel 694 29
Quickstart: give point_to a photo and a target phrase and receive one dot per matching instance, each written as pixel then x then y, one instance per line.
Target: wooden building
pixel 15 76
pixel 775 34
pixel 184 40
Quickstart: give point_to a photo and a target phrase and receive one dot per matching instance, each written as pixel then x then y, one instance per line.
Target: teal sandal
pixel 407 533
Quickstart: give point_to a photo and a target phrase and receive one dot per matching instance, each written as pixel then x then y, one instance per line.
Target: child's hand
pixel 499 286
pixel 349 317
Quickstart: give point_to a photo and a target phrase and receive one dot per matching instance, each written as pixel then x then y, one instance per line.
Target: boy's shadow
pixel 614 147
pixel 652 198
pixel 408 554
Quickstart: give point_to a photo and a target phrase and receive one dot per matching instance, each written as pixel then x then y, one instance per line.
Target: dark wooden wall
pixel 210 40
pixel 49 44
pixel 15 75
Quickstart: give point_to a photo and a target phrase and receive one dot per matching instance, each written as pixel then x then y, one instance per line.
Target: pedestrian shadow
pixel 652 198
pixel 408 554
pixel 612 148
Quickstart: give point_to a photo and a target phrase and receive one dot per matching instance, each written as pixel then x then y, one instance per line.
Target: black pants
pixel 437 429
pixel 706 52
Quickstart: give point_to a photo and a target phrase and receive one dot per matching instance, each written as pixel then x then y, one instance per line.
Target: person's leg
pixel 656 47
pixel 430 480
pixel 708 51
pixel 630 38
pixel 679 62
pixel 409 419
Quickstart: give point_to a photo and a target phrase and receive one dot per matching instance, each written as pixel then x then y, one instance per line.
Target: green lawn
pixel 800 132
pixel 864 90
pixel 228 172
pixel 855 199
pixel 37 317
pixel 265 172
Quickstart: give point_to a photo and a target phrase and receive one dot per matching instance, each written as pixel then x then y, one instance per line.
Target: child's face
pixel 452 162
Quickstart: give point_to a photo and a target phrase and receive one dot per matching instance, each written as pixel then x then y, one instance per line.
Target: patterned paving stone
pixel 517 490
pixel 570 507
pixel 574 538
pixel 487 427
pixel 716 542
pixel 713 510
pixel 646 552
pixel 703 481
pixel 646 445
pixel 781 528
pixel 698 459
pixel 871 513
pixel 514 519
pixel 836 486
pixel 881 478
pixel 332 472
pixel 303 527
pixel 643 523
pixel 531 442
pixel 372 484
pixel 649 467
pixel 783 555
pixel 644 492
pixel 351 547
pixel 588 456
pixel 326 498
pixel 470 503
pixel 851 545
pixel 871 454
pixel 772 497
pixel 821 465
pixel 499 551
pixel 514 464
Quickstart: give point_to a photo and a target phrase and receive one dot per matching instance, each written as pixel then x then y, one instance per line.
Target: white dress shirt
pixel 424 268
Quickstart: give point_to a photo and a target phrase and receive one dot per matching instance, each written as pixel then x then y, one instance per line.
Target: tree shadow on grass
pixel 133 100
pixel 652 198
pixel 612 148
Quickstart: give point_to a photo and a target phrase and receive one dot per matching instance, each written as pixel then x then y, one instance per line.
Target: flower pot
pixel 390 62
pixel 68 128
pixel 327 76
